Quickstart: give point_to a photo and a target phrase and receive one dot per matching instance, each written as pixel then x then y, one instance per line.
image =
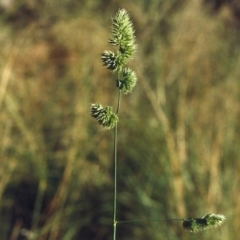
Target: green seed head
pixel 200 224
pixel 104 115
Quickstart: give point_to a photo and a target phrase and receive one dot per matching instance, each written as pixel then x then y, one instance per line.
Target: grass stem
pixel 152 220
pixel 115 172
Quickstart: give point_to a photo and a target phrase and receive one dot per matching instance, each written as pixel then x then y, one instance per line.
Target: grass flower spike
pixel 114 61
pixel 104 116
pixel 123 37
pixel 123 33
pixel 109 59
pixel 128 82
pixel 200 224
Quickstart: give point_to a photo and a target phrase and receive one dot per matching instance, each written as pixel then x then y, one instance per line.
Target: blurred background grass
pixel 179 130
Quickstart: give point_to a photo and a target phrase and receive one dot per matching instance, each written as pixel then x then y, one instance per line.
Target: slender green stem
pixel 115 173
pixel 119 101
pixel 152 220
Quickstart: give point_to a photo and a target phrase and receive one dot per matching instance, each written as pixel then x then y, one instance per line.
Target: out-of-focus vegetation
pixel 179 132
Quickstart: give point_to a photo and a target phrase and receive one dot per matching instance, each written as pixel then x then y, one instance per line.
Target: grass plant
pixel 177 134
pixel 123 37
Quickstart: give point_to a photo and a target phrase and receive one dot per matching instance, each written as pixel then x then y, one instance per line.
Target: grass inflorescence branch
pixel 190 224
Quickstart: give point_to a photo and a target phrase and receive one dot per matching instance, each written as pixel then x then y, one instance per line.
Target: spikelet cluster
pixel 199 224
pixel 122 37
pixel 128 81
pixel 104 115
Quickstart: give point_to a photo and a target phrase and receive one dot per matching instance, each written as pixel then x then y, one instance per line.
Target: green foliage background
pixel 179 130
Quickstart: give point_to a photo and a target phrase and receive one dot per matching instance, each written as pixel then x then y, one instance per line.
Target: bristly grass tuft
pixel 128 82
pixel 199 224
pixel 104 115
pixel 123 37
pixel 123 33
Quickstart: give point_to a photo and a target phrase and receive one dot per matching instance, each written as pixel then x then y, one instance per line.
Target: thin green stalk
pixel 115 172
pixel 152 220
